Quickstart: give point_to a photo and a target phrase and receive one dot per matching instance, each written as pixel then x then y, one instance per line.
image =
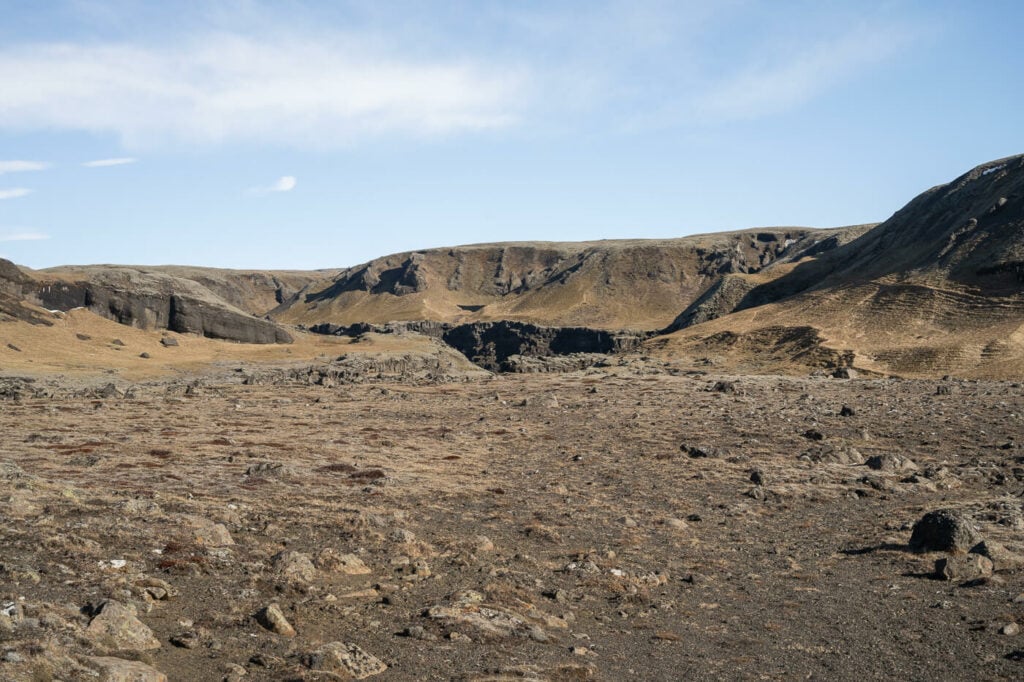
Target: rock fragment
pixel 345 658
pixel 114 626
pixel 295 566
pixel 272 618
pixel 960 568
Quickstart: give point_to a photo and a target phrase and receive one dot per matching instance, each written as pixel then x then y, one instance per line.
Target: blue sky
pixel 296 134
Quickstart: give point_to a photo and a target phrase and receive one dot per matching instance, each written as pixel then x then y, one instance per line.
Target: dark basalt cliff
pixel 149 300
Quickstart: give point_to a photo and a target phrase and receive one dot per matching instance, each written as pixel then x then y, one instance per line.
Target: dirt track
pixel 598 525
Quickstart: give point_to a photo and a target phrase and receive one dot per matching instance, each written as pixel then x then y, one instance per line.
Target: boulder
pixel 944 530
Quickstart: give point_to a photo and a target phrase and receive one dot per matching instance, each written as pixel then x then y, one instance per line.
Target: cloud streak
pixel 106 163
pixel 22 166
pixel 14 193
pixel 23 236
pixel 225 87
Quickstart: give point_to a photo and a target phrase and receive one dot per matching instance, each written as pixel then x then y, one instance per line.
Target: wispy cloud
pixel 22 166
pixel 14 193
pixel 285 183
pixel 23 236
pixel 787 79
pixel 226 87
pixel 104 163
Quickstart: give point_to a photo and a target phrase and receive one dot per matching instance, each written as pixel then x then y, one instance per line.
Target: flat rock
pixel 113 669
pixel 345 658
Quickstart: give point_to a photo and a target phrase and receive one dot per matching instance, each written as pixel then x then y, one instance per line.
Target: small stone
pixel 345 658
pixel 757 477
pixel 944 530
pixel 957 568
pixel 294 566
pixel 346 564
pixel 273 619
pixel 1010 629
pixel 210 534
pixel 13 657
pixel 145 356
pixel 186 640
pixel 234 672
pixel 847 411
pixel 168 341
pixel 402 535
pixel 113 669
pixel 890 462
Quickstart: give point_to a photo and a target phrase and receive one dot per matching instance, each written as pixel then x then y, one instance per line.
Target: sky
pixel 301 134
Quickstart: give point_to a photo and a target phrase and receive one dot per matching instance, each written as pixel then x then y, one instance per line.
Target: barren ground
pixel 523 527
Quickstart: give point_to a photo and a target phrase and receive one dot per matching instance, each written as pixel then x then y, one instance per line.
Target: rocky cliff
pixel 151 299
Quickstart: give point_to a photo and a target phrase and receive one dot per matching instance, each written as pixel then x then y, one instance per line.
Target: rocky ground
pixel 611 523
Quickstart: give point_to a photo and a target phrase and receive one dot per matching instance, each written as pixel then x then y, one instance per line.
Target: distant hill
pixel 614 284
pixel 937 288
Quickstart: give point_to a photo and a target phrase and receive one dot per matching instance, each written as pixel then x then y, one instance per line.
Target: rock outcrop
pixel 149 300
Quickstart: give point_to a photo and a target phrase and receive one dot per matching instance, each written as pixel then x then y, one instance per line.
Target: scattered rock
pixel 1002 558
pixel 1010 629
pixel 944 530
pixel 347 564
pixel 272 618
pixel 145 356
pixel 890 462
pixel 114 626
pixel 701 451
pixel 210 534
pixel 959 568
pixel 345 658
pixel 847 411
pixel 168 341
pixel 724 387
pixel 294 566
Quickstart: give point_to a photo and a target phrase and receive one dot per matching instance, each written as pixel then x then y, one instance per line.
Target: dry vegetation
pixel 636 521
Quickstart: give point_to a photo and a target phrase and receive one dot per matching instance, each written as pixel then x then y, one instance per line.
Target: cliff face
pixel 152 300
pixel 638 284
pixel 13 282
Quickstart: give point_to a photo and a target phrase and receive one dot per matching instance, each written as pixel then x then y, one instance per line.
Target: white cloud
pixel 21 166
pixel 14 193
pixel 225 87
pixel 104 163
pixel 285 183
pixel 23 236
